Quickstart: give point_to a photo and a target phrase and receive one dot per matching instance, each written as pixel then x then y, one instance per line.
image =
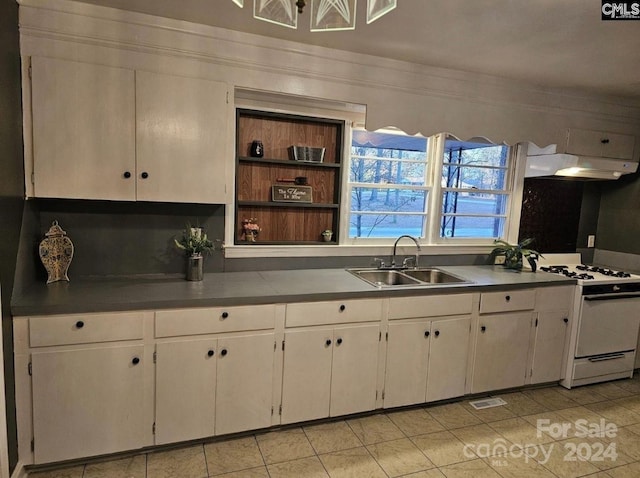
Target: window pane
pixel 454 176
pixel 464 226
pixel 475 154
pixel 388 200
pixel 385 225
pixel 387 159
pixel 473 203
pixel 380 171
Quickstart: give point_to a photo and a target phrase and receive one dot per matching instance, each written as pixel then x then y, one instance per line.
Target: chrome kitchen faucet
pixel 395 245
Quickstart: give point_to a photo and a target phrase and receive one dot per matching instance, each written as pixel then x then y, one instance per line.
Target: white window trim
pixel 360 247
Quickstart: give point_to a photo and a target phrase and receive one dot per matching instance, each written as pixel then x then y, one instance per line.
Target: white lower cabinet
pixel 244 382
pixel 88 402
pixel 448 356
pixel 213 386
pixel 501 349
pixel 185 390
pixel 426 360
pixel 329 371
pixel 550 332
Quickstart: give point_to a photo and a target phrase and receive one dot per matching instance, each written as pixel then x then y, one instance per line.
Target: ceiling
pixel 551 43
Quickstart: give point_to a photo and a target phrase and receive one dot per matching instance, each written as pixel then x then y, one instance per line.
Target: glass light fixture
pixel 378 8
pixel 280 12
pixel 331 15
pixel 326 15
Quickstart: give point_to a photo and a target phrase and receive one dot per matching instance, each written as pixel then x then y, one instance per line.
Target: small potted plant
pixel 327 234
pixel 194 242
pixel 514 254
pixel 250 229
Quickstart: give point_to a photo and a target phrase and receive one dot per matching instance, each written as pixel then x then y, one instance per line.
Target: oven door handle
pixel 616 296
pixel 606 357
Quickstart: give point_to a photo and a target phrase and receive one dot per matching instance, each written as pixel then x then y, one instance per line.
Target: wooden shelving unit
pixel 290 223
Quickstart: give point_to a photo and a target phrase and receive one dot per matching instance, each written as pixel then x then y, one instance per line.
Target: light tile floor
pixel 522 439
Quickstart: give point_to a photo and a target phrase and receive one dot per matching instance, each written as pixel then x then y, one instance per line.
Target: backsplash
pixel 121 238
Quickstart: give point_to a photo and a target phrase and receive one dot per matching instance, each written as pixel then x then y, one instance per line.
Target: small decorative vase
pixel 56 253
pixel 195 265
pixel 257 149
pixel 250 236
pixel 327 237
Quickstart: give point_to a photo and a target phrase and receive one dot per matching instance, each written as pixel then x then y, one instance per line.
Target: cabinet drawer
pixel 85 328
pixel 554 298
pixel 334 312
pixel 172 323
pixel 429 306
pixel 507 301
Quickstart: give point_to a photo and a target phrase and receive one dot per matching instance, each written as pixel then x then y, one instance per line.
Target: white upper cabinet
pixel 181 138
pixel 110 133
pixel 584 142
pixel 83 130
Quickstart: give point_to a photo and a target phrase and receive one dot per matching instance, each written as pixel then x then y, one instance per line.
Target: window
pixel 387 185
pixel 390 189
pixel 474 190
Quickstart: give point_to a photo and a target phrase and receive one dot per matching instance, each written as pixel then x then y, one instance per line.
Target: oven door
pixel 608 323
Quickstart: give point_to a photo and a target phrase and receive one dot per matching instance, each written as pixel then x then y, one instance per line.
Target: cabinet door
pixel 83 130
pixel 405 378
pixel 501 351
pixel 185 390
pixel 584 142
pixel 181 138
pixel 448 358
pixel 548 350
pixel 354 369
pixel 620 146
pixel 306 381
pixel 245 382
pixel 87 402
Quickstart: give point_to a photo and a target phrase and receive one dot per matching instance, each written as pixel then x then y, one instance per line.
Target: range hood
pixel 546 162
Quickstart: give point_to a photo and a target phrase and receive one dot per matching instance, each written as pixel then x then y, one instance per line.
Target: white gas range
pixel 604 332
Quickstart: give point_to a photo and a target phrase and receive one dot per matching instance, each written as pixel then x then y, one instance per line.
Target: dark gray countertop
pixel 248 288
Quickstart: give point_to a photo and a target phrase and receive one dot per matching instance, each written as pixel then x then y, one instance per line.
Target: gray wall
pixel 116 238
pixel 619 218
pixel 11 192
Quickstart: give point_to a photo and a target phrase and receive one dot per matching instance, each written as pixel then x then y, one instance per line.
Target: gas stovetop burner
pixel 566 272
pixel 603 270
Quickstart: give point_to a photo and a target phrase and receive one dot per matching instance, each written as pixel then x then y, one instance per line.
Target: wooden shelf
pixel 289 162
pixel 288 243
pixel 287 223
pixel 287 204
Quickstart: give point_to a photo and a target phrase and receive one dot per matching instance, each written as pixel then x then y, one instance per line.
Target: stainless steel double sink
pixel 421 276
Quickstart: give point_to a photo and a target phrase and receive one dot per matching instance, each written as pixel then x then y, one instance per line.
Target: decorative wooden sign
pixel 290 193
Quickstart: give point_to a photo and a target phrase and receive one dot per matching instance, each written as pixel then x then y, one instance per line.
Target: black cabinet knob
pixel 342 308
pixel 427 333
pixel 328 342
pixel 144 175
pixel 79 324
pixel 135 361
pixel 507 298
pixel 483 329
pixel 127 174
pixel 339 341
pixel 566 320
pixel 223 352
pixel 210 353
pixel 225 315
pixel 437 333
pixel 605 141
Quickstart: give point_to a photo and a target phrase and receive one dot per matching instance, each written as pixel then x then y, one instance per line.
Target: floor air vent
pixel 487 403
